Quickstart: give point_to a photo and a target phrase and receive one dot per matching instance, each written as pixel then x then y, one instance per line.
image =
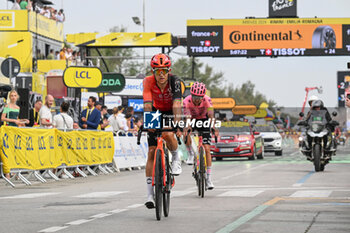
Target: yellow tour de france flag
pixel 36 149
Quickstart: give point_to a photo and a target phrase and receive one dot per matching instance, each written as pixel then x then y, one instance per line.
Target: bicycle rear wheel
pixel 166 194
pixel 201 171
pixel 158 178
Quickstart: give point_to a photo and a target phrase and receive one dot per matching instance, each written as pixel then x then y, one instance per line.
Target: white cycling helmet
pixel 312 98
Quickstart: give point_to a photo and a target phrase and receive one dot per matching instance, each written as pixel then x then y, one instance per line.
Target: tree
pixel 183 68
pixel 244 94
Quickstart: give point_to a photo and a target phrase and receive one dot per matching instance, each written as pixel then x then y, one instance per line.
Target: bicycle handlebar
pixel 157 131
pixel 212 131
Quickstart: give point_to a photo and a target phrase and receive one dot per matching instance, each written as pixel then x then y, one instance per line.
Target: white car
pixel 272 138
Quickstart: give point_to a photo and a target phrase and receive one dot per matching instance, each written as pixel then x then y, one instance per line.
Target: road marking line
pixel 134 206
pixel 28 196
pixel 53 229
pixel 245 218
pixel 303 179
pixel 100 194
pixel 101 215
pixel 80 221
pixel 241 193
pixel 242 220
pixel 312 193
pixel 116 211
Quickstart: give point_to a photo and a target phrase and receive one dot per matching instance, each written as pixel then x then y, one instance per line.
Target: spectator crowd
pixel 48 12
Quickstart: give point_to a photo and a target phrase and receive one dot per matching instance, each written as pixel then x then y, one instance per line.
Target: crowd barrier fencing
pixel 128 155
pixel 40 154
pixel 30 150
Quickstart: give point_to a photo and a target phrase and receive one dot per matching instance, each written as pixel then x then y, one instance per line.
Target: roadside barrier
pixel 37 153
pixel 29 150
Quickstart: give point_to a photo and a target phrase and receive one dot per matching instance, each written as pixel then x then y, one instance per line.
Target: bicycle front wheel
pixel 158 178
pixel 201 172
pixel 166 194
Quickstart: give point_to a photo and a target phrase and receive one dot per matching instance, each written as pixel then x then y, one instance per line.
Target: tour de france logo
pixel 278 5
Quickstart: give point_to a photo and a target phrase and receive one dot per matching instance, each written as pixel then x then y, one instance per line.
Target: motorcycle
pixel 319 144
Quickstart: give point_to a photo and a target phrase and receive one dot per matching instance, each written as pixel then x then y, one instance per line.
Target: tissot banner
pixel 269 37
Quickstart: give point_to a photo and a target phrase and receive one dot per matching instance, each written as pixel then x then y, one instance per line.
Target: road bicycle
pixel 162 178
pixel 200 164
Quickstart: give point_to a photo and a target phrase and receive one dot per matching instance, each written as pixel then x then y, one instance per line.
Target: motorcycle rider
pixel 318 105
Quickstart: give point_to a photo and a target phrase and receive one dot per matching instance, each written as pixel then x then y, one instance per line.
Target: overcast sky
pixel 282 80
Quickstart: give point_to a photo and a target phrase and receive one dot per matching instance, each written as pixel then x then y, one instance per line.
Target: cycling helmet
pixel 198 89
pixel 317 104
pixel 160 60
pixel 312 98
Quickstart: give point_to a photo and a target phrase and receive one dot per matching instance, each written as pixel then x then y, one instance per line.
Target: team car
pixel 272 138
pixel 237 139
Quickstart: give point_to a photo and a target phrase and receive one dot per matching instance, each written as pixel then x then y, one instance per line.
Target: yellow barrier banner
pixel 32 149
pixel 36 149
pixel 85 147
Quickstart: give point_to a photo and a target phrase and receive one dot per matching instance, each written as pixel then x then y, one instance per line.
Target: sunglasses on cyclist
pixel 196 97
pixel 160 71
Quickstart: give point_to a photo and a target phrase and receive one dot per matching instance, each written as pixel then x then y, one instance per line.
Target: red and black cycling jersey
pixel 163 101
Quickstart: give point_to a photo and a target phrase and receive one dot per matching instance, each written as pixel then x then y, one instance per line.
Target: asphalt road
pixel 277 194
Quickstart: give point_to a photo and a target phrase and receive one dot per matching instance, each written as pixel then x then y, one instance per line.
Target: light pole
pixel 137 21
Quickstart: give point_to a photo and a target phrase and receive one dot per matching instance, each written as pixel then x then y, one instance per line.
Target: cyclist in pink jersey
pixel 198 106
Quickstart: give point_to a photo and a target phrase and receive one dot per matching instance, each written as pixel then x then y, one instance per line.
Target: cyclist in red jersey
pixel 162 91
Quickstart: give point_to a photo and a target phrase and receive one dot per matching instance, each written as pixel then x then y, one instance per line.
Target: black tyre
pixel 317 157
pixel 322 167
pixel 201 171
pixel 278 153
pixel 253 155
pixel 158 184
pixel 166 194
pixel 218 158
pixel 261 155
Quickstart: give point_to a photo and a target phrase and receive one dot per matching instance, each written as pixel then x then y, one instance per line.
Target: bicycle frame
pixel 200 144
pixel 160 146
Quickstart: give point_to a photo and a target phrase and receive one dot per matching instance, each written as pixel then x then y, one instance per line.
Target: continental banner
pixel 269 37
pixel 36 149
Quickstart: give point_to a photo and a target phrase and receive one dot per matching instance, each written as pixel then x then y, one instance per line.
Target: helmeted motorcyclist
pixel 318 105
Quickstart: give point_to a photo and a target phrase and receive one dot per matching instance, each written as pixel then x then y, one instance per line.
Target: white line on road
pixel 116 211
pixel 80 221
pixel 53 229
pixel 241 193
pixel 101 215
pixel 100 194
pixel 30 195
pixel 134 206
pixel 312 193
